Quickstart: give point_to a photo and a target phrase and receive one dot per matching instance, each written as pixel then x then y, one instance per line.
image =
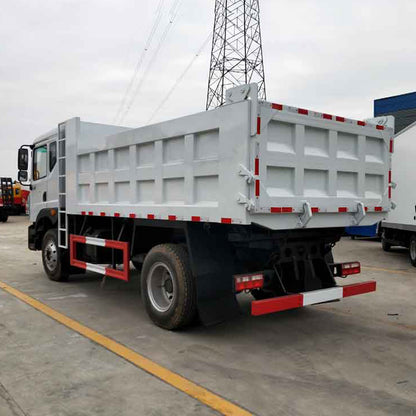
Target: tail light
pixel 248 281
pixel 350 268
pixel 346 269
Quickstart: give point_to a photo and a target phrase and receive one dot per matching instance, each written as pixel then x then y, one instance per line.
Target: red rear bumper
pixel 282 303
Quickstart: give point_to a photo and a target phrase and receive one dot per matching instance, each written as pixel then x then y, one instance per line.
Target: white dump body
pixel 403 217
pixel 244 163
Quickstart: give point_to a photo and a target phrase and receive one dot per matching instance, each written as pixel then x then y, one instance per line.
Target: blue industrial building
pixel 402 107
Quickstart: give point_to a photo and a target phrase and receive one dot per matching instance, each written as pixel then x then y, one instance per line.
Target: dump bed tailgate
pixel 318 169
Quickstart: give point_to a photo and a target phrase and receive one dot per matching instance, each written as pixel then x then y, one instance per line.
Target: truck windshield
pixel 39 163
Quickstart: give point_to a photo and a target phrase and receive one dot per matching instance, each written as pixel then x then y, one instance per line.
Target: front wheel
pixel 55 262
pixel 3 217
pixel 168 286
pixel 412 250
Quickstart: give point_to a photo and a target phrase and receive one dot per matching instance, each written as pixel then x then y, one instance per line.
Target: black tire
pixel 4 217
pixel 412 250
pixel 385 245
pixel 171 304
pixel 55 260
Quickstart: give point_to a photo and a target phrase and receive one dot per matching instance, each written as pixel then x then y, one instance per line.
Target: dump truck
pixel 399 228
pixel 249 197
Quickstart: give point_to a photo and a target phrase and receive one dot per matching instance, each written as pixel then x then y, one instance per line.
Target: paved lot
pixel 355 357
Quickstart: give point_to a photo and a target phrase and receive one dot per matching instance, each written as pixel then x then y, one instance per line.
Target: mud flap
pixel 213 265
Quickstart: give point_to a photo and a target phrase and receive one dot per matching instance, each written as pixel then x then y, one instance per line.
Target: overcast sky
pixel 66 58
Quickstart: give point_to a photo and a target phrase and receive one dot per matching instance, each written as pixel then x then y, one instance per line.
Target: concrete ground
pixel 355 357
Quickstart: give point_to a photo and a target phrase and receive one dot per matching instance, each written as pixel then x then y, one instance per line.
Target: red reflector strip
pixel 389 176
pixel 303 111
pixel 277 106
pixel 132 215
pixel 366 209
pixel 247 282
pixel 389 191
pixel 378 127
pixel 378 209
pixel 150 217
pixel 258 125
pixel 196 219
pixel 358 289
pixel 257 188
pixel 342 209
pixel 391 145
pixel 90 213
pixel 283 303
pixel 102 214
pixel 361 123
pixel 226 220
pixel 256 166
pixel 315 210
pixel 340 119
pixel 116 214
pixel 172 217
pixel 351 268
pixel 327 116
pixel 281 210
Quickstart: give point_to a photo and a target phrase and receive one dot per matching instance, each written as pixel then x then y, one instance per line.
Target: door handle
pixel 44 197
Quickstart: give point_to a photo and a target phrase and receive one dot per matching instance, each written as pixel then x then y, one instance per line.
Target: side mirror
pixel 23 160
pixel 22 176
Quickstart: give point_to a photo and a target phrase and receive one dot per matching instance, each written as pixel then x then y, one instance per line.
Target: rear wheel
pixel 412 250
pixel 55 262
pixel 168 287
pixel 385 245
pixel 3 217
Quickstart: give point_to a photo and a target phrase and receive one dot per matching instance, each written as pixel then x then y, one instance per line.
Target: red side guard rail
pixel 118 245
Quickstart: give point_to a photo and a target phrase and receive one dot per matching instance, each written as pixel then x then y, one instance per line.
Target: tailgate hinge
pixel 249 175
pixel 306 216
pixel 360 214
pixel 249 203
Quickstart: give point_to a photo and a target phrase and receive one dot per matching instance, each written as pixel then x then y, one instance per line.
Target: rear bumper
pixel 282 303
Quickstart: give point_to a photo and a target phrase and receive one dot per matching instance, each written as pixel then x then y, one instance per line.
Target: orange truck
pixel 20 198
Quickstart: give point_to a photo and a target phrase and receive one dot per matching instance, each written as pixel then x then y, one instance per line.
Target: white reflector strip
pixel 96 268
pixel 95 241
pixel 323 295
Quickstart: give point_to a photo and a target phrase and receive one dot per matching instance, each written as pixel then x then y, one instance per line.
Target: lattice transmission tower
pixel 237 53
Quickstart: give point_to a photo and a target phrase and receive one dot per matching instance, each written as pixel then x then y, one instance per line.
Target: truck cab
pixel 43 182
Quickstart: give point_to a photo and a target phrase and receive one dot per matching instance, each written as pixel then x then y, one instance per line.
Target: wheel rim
pixel 51 255
pixel 412 249
pixel 161 287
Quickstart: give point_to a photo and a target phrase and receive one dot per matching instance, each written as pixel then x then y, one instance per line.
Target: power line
pixel 173 14
pixel 181 77
pixel 159 13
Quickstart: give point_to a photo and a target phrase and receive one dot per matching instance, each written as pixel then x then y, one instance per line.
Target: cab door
pixel 44 179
